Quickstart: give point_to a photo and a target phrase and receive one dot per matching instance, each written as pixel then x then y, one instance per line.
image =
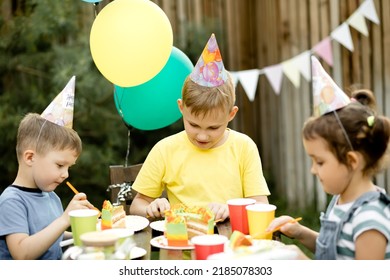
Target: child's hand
pixel 291 230
pixel 157 207
pixel 79 201
pixel 220 210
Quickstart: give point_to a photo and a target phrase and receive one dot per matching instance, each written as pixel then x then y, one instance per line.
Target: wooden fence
pixel 256 34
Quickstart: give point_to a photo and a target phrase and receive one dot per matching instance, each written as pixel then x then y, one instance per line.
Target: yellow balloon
pixel 131 41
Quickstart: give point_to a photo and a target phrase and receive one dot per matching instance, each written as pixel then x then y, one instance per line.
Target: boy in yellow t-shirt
pixel 207 163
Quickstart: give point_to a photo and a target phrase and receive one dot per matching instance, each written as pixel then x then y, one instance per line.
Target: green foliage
pixel 42 46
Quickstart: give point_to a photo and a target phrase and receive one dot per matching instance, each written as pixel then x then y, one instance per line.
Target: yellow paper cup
pixel 82 221
pixel 259 217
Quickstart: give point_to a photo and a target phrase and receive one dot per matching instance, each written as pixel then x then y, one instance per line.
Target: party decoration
pixel 327 96
pixel 300 64
pixel 92 1
pixel 131 41
pixel 209 71
pixel 153 105
pixel 60 110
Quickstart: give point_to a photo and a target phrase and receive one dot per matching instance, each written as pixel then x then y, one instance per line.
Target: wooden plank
pixel 385 22
pixel 295 141
pixel 286 105
pixel 375 33
pixel 304 111
pixel 355 76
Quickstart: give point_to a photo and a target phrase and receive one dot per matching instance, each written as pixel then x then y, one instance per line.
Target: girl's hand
pixel 291 230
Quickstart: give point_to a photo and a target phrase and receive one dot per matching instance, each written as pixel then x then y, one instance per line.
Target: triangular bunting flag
pixel 234 77
pixel 358 21
pixel 303 62
pixel 324 50
pixel 248 80
pixel 274 75
pixel 367 8
pixel 291 70
pixel 342 34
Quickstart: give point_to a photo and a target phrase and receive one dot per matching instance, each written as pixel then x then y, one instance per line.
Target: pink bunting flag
pixel 324 50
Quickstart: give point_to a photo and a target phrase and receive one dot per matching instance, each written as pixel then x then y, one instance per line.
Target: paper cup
pixel 125 242
pixel 259 217
pixel 208 244
pixel 82 221
pixel 238 214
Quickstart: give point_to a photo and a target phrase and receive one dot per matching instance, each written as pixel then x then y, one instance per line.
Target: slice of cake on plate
pixel 113 216
pixel 182 223
pixel 238 239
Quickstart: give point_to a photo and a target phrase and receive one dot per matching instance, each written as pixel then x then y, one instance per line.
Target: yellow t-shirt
pixel 193 176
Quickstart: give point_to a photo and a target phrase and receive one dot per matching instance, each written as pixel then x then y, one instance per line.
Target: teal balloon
pixel 92 1
pixel 153 105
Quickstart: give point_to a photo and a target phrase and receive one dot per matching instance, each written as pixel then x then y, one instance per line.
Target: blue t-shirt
pixel 24 210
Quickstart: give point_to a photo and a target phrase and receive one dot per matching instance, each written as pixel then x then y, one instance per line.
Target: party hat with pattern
pixel 327 96
pixel 60 110
pixel 209 71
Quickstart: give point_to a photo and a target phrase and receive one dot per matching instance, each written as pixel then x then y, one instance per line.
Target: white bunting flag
pixel 248 80
pixel 358 21
pixel 274 75
pixel 342 34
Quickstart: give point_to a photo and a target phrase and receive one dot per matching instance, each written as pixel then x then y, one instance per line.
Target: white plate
pixel 136 223
pixel 158 225
pixel 73 252
pixel 133 222
pixel 137 252
pixel 66 242
pixel 162 242
pixel 273 254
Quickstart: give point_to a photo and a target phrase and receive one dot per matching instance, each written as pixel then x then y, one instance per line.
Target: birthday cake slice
pixel 182 223
pixel 112 216
pixel 238 239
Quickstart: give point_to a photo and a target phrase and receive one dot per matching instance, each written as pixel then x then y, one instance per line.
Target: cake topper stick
pixel 278 228
pixel 76 192
pixel 72 188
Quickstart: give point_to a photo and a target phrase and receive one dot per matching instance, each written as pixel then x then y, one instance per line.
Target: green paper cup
pixel 82 221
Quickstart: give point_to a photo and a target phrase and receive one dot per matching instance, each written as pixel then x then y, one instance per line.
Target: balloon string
pixel 128 147
pixel 96 12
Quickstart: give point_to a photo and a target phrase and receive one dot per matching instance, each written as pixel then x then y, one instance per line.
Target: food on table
pixel 183 222
pixel 113 216
pixel 238 239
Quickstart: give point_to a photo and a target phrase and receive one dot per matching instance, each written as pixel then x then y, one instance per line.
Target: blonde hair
pixel 41 135
pixel 203 100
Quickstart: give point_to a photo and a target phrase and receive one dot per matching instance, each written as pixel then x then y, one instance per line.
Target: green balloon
pixel 153 105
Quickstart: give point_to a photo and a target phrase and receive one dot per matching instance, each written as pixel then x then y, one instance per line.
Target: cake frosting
pixel 113 216
pixel 182 223
pixel 238 239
